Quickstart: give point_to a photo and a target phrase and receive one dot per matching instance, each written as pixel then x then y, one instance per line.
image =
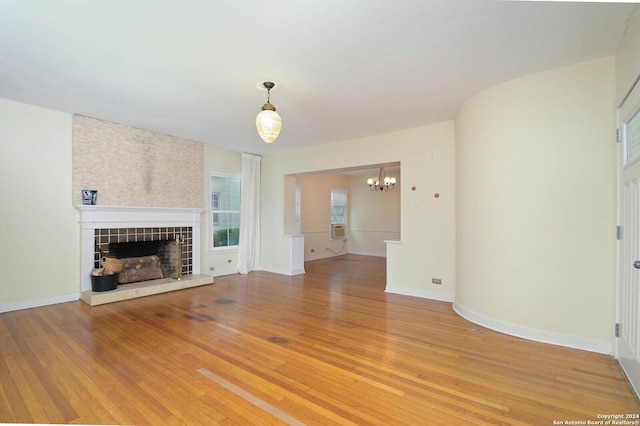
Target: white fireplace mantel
pixel 104 217
pixel 94 217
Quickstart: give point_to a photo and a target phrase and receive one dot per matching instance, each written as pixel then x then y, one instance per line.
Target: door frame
pixel 627 108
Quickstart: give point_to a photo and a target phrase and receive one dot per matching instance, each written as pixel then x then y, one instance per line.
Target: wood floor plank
pixel 16 407
pixel 327 347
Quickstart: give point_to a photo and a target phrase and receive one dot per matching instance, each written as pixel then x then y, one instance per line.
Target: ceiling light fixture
pixel 382 182
pixel 268 122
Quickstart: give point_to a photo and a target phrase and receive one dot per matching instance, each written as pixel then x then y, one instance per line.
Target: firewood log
pixel 111 265
pixel 143 268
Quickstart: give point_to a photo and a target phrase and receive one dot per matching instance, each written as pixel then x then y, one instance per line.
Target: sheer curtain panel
pixel 249 247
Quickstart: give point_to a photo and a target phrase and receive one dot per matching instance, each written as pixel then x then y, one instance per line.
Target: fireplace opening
pixel 168 250
pixel 142 256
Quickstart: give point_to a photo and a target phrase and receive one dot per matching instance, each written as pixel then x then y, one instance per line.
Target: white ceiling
pixel 345 68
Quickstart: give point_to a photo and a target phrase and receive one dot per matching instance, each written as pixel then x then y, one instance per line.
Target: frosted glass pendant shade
pixel 268 123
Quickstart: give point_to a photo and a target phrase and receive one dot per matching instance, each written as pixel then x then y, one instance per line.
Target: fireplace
pixel 103 226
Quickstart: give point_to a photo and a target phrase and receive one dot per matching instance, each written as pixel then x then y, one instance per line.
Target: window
pixel 338 206
pixel 633 138
pixel 224 217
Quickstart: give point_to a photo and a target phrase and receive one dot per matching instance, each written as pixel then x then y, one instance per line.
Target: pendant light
pixel 268 122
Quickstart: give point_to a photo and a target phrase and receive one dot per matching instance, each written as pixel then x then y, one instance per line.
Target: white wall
pixel 40 234
pixel 427 249
pixel 627 57
pixel 217 262
pixel 535 203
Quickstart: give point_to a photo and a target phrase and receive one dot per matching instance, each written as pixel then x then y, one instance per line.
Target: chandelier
pixel 268 121
pixel 382 182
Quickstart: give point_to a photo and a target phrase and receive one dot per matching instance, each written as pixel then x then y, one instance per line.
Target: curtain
pixel 249 247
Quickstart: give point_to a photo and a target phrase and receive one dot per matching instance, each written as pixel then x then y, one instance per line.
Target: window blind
pixel 633 137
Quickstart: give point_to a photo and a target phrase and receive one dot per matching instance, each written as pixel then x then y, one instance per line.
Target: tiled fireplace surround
pixel 103 224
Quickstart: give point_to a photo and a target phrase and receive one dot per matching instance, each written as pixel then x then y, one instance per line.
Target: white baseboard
pixel 26 304
pixel 443 297
pixel 557 339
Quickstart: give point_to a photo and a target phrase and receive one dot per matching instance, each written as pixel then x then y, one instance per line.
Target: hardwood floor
pixel 327 347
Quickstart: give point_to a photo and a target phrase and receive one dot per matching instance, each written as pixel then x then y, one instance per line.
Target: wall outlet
pixel 436 281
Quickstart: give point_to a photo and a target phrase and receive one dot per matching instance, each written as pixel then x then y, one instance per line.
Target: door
pixel 628 297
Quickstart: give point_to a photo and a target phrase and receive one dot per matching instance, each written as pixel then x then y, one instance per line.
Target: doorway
pixel 369 218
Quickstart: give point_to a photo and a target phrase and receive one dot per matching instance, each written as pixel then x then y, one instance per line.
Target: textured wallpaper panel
pixel 133 167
